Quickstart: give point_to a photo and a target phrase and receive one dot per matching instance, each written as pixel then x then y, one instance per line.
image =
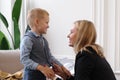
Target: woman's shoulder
pixel 88 51
pixel 90 54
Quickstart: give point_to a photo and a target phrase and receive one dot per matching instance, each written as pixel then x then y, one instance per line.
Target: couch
pixel 10 66
pixel 10 61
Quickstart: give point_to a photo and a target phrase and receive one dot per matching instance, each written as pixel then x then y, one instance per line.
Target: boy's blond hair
pixel 36 13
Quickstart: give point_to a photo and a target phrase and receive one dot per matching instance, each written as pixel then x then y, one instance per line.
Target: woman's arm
pixel 84 65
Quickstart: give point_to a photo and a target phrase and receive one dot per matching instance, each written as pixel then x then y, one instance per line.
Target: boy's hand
pixel 48 72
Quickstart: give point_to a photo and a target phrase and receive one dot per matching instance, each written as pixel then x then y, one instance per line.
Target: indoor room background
pixel 104 13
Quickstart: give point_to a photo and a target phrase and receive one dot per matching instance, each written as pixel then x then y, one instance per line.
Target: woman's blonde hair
pixel 86 36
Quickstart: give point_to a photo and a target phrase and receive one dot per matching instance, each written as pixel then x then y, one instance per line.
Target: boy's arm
pixel 25 49
pixel 61 70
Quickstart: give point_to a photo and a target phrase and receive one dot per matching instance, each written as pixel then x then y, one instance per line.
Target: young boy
pixel 34 50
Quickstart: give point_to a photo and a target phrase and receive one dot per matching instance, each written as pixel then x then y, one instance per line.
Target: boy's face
pixel 42 25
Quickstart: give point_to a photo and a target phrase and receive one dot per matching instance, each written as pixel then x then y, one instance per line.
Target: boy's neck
pixel 36 32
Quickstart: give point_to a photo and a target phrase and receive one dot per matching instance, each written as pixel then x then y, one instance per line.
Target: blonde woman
pixel 90 63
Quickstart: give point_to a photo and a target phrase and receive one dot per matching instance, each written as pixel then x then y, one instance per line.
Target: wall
pixel 112 34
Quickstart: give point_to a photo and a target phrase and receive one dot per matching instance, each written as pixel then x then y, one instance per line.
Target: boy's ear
pixel 36 22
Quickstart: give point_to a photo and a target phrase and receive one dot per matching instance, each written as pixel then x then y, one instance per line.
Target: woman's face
pixel 72 36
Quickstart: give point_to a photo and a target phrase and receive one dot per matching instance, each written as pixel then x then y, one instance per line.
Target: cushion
pixel 7 76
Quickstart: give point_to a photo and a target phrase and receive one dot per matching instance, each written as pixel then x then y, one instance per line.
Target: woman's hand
pixel 61 71
pixel 66 71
